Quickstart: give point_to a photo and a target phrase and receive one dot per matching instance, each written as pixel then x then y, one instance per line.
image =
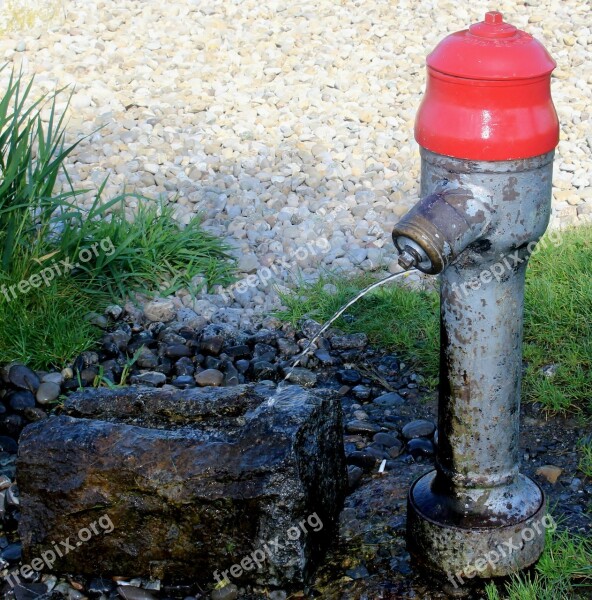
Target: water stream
pixel 298 358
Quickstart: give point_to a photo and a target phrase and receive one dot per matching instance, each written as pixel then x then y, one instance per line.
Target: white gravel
pixel 285 123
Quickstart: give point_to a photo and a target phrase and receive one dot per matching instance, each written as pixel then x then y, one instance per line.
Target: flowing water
pixel 330 322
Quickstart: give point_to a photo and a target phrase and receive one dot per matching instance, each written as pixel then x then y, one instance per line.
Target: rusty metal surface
pixel 478 223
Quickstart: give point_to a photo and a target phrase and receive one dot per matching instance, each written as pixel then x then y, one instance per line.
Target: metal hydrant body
pixel 484 206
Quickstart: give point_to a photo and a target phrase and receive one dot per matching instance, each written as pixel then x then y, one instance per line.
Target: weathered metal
pixel 488 129
pixel 480 240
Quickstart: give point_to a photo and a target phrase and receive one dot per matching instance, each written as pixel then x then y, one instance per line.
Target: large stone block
pixel 193 481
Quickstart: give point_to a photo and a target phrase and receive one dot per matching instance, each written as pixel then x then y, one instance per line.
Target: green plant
pixel 42 231
pixel 31 158
pixel 147 254
pixel 585 466
pixel 46 327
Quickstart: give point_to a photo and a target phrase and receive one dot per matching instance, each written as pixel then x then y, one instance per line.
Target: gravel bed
pixel 289 125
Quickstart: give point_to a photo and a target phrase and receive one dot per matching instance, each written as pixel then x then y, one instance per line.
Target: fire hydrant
pixel 487 130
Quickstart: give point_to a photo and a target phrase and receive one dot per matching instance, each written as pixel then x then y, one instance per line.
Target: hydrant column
pixel 487 130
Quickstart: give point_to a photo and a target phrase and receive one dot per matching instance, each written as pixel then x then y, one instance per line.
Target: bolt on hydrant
pixel 487 130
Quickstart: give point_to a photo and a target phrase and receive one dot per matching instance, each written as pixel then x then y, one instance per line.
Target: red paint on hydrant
pixel 488 95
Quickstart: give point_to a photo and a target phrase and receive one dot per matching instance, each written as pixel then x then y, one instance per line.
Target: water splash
pixel 298 358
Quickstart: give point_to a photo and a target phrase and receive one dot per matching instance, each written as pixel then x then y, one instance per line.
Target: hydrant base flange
pixel 443 545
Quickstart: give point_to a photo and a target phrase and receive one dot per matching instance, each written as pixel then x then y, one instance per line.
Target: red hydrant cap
pixel 491 49
pixel 488 95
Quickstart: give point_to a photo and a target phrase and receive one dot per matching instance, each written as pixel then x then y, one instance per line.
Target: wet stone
pixel 283 458
pixel 209 377
pixel 22 377
pixel 354 476
pixel 7 444
pixel 47 392
pixel 212 344
pixel 263 369
pixel 325 358
pixel 211 362
pixel 364 427
pixel 310 328
pixel 20 400
pixel 361 392
pixel 177 351
pixel 183 382
pixel 238 351
pixel 349 376
pixel 361 459
pixel 301 376
pixel 12 552
pixel 387 440
pixel 417 429
pixel 150 378
pixel 130 592
pixel 287 347
pixel 389 400
pixel 420 448
pixel 349 341
pixel 184 366
pixel 147 359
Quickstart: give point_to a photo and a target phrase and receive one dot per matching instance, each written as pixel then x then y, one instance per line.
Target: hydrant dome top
pixel 492 50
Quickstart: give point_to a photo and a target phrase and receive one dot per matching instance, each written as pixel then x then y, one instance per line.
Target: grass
pixel 564 572
pixel 43 231
pixel 557 329
pixel 585 465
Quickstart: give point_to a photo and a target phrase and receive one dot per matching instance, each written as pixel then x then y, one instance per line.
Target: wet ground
pixel 389 421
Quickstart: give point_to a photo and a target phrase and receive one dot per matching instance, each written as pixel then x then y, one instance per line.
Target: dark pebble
pixel 389 400
pixel 184 382
pixel 22 377
pixel 147 359
pixel 34 414
pixel 354 476
pixel 242 365
pixel 239 351
pixel 420 448
pixel 150 378
pixel 7 444
pixel 211 362
pixel 417 429
pixel 363 427
pixel 264 352
pixel 209 377
pixel 325 358
pixel 12 425
pixel 184 366
pixel 20 400
pixel 12 552
pixel 361 459
pixel 361 392
pixel 212 344
pixel 263 369
pixel 177 351
pixel 301 376
pixel 349 376
pixel 387 440
pixel 349 341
